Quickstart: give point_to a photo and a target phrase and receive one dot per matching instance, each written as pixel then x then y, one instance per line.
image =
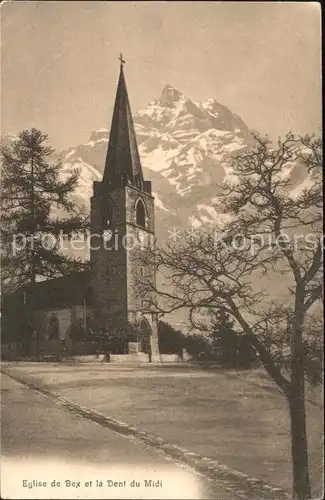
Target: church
pixel 122 218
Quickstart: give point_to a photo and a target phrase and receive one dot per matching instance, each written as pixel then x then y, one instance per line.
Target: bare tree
pixel 270 228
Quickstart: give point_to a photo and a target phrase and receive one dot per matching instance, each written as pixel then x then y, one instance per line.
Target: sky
pixel 59 62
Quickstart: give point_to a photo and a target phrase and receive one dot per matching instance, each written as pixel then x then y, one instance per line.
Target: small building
pixel 108 295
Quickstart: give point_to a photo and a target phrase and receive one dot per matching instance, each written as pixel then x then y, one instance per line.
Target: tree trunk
pixel 301 481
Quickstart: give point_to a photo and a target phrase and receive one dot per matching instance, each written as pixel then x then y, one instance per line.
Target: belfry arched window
pixel 108 214
pixel 140 214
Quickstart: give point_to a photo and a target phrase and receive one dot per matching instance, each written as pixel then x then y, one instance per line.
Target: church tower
pixel 122 221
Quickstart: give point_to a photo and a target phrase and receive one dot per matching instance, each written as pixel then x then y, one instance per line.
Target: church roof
pixel 65 291
pixel 122 160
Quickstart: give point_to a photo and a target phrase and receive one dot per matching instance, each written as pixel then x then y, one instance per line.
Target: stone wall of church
pixel 138 238
pixel 115 267
pixel 108 262
pixel 64 316
pixel 109 284
pixel 138 271
pixel 42 318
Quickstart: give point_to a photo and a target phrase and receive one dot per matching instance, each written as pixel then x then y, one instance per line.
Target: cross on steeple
pixel 121 59
pixel 122 160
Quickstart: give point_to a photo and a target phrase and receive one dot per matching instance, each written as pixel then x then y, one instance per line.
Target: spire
pixel 122 160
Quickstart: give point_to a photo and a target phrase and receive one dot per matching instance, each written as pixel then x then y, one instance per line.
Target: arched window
pixel 140 214
pixel 108 214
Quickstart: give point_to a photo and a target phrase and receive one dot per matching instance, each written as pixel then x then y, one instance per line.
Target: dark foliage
pixel 33 193
pixel 229 347
pixel 171 341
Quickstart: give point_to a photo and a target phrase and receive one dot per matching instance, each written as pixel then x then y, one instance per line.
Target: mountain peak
pixel 212 99
pixel 169 95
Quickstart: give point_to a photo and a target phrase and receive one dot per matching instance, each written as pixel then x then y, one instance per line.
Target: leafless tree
pixel 270 227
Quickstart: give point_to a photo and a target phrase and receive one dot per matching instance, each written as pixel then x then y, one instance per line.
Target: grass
pixel 237 418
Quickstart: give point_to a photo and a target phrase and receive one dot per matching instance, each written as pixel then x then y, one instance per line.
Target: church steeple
pixel 123 212
pixel 122 164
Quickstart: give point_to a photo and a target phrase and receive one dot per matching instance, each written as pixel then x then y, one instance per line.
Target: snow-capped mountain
pixel 185 147
pixel 188 142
